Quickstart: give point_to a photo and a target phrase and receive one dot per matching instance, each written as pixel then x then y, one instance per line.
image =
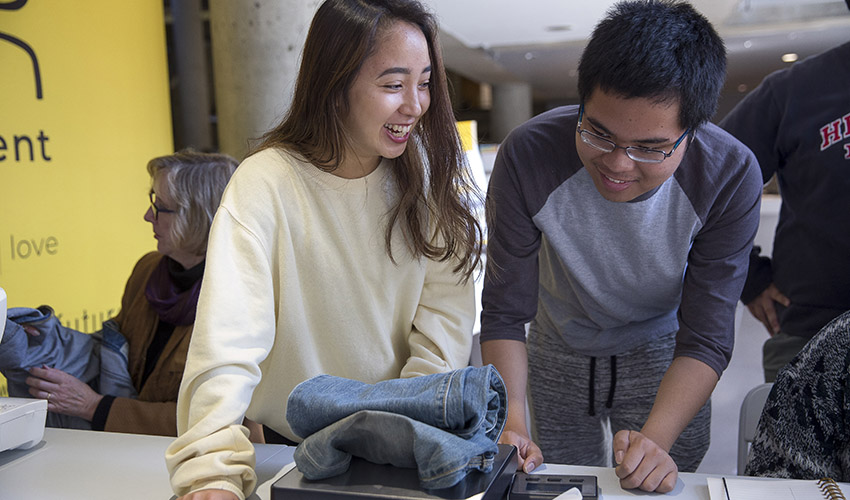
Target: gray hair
pixel 195 181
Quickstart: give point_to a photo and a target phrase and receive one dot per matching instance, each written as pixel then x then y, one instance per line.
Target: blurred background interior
pixel 507 60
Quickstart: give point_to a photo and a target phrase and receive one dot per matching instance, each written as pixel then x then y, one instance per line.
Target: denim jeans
pixel 445 425
pixel 55 346
pixel 114 378
pixel 99 359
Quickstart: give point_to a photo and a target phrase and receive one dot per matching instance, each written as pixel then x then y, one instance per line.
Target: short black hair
pixel 657 49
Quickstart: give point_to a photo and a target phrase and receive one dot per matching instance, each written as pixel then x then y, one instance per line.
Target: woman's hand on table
pixel 64 393
pixel 529 456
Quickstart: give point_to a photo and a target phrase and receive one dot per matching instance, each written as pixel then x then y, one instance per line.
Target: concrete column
pixel 256 50
pixel 512 105
pixel 192 102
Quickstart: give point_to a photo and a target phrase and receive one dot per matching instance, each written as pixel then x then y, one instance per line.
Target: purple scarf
pixel 173 291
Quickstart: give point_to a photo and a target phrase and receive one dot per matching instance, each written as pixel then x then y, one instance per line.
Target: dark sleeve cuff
pixel 101 413
pixel 759 276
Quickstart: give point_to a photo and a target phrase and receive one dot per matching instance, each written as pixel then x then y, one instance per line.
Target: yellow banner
pixel 84 104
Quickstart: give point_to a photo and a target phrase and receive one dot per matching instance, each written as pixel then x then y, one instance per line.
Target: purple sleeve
pixel 755 121
pixel 718 262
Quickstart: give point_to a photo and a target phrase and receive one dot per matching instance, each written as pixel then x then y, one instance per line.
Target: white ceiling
pixel 540 41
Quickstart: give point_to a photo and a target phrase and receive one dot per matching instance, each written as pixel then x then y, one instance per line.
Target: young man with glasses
pixel 620 230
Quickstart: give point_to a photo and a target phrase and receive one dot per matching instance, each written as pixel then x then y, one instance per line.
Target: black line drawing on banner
pixel 15 5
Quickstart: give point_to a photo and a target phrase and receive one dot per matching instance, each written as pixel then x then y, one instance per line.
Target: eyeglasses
pixel 643 155
pixel 157 210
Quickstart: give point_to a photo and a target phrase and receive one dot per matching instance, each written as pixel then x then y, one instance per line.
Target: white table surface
pixel 87 465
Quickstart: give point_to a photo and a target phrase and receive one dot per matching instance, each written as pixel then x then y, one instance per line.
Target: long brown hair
pixel 431 177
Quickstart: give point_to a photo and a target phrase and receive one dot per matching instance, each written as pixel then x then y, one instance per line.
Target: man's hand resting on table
pixel 529 456
pixel 640 463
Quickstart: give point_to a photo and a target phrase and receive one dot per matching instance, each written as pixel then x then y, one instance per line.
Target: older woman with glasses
pixel 158 307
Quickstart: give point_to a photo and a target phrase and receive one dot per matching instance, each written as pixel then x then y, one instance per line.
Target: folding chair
pixel 751 409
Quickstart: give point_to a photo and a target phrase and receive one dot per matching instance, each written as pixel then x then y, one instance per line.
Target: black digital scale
pixel 548 486
pixel 364 480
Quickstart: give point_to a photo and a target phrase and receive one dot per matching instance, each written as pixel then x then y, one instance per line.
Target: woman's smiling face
pixel 388 97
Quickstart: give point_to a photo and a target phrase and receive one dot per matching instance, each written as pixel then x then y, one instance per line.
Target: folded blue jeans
pixel 445 425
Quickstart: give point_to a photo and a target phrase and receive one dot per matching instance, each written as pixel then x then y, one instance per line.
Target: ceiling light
pixel 789 57
pixel 559 27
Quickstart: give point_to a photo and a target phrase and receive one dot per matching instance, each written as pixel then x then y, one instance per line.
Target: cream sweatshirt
pixel 298 283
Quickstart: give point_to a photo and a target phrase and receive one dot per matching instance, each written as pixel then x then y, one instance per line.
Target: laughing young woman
pixel 344 245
